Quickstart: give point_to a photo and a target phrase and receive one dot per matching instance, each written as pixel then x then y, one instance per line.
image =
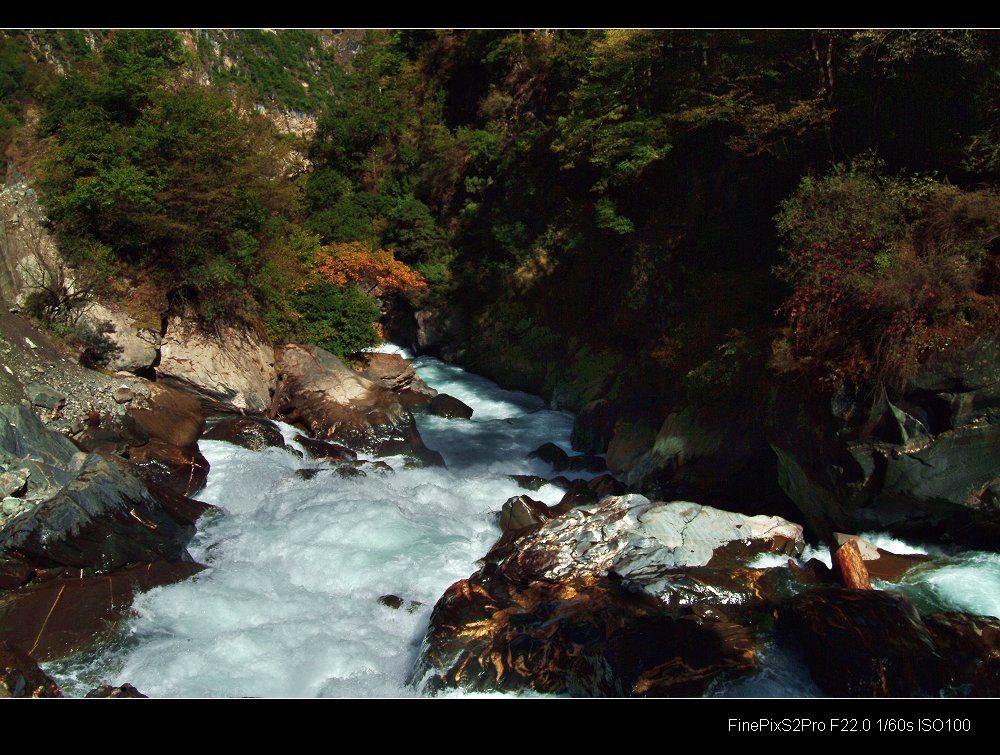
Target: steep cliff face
pixel 925 465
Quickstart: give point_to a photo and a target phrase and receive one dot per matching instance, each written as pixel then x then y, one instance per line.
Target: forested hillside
pixel 656 216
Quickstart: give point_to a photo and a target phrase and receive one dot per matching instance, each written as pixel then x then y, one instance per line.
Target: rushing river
pixel 289 606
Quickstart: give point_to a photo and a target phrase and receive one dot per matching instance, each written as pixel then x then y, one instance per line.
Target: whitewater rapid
pixel 289 606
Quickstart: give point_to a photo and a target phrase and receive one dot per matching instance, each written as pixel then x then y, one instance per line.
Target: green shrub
pixel 881 268
pixel 341 321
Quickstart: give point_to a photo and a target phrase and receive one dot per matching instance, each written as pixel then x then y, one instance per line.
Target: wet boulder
pixel 534 482
pixel 20 675
pixel 72 611
pixel 449 407
pixel 870 643
pixel 625 597
pixel 581 492
pixel 553 455
pixel 317 391
pixel 322 449
pixel 85 511
pixel 159 437
pixel 253 433
pixel 183 470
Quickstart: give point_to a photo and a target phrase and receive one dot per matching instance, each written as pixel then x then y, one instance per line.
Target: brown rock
pixel 449 407
pixel 849 567
pixel 870 643
pixel 231 364
pixel 124 691
pixel 392 371
pixel 253 433
pixel 182 470
pixel 583 492
pixel 391 601
pixel 20 675
pixel 321 449
pixel 173 416
pixel 624 598
pixel 73 612
pixel 14 572
pixel 123 395
pixel 520 512
pixel 333 402
pixel 882 564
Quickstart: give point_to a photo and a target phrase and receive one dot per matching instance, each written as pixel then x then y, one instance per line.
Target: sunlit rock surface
pixel 625 597
pixel 232 365
pixel 333 402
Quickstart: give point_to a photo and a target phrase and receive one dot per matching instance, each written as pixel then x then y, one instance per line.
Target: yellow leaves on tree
pixel 376 272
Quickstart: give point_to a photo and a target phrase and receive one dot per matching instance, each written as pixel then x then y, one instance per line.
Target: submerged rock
pixel 626 597
pixel 124 691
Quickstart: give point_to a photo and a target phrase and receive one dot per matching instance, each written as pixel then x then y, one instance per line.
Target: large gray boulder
pixel 925 464
pixel 231 364
pixel 80 510
pixel 135 348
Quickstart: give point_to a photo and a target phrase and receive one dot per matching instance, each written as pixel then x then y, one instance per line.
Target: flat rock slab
pixel 65 615
pixel 44 396
pixel 631 534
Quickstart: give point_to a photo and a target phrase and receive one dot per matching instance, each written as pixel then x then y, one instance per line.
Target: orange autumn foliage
pixel 375 272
